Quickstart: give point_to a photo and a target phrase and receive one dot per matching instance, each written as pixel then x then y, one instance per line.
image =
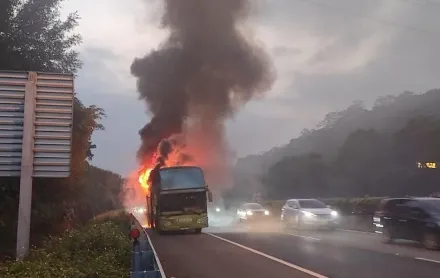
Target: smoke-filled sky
pixel 326 54
pixel 203 73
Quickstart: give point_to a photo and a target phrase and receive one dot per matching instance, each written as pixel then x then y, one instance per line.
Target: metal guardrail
pixel 144 260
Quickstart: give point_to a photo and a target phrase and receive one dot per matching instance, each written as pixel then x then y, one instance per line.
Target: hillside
pixel 388 115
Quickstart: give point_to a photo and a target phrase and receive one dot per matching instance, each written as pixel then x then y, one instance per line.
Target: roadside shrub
pixel 99 249
pixel 114 215
pixel 358 206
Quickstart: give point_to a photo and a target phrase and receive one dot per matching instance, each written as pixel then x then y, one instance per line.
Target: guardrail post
pixel 144 261
pixel 136 262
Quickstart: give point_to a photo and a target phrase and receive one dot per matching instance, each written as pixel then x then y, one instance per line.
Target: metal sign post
pixel 27 168
pixel 36 114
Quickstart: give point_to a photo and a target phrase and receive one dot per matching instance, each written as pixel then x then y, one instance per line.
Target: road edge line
pixel 300 236
pixel 354 231
pixel 159 264
pixel 427 260
pixel 309 272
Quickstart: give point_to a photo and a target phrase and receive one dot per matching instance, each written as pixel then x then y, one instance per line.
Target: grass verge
pixel 101 248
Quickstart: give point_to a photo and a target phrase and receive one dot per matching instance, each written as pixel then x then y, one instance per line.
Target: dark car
pixel 416 219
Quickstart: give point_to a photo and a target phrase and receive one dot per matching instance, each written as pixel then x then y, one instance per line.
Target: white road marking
pixel 354 231
pixel 162 273
pixel 306 237
pixel 428 260
pixel 311 273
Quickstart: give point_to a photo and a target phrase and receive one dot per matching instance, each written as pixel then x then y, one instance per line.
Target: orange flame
pixel 143 178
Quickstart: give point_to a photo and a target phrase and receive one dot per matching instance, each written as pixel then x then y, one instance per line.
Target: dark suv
pixel 415 219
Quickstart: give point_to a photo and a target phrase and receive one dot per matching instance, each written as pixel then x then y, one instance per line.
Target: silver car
pixel 308 213
pixel 252 212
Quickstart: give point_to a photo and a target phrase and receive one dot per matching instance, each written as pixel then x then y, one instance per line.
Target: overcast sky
pixel 327 53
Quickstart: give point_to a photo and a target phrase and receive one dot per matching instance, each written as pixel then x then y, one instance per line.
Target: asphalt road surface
pixel 193 256
pixel 271 252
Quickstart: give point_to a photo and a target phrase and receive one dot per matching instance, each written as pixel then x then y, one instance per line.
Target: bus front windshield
pixel 181 178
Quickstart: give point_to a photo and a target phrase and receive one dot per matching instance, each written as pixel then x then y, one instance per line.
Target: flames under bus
pixel 178 199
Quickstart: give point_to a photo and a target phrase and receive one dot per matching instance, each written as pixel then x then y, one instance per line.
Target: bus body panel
pixel 179 200
pixel 183 222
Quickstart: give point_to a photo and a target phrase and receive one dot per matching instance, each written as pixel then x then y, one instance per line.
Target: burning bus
pixel 177 198
pixel 192 84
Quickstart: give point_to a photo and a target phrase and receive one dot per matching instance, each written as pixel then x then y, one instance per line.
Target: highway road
pixel 271 252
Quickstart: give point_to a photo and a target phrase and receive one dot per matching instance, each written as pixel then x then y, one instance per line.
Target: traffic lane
pixel 362 240
pixel 194 256
pixel 334 260
pixel 371 242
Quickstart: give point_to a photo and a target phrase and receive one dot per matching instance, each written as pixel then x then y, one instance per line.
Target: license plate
pixel 184 220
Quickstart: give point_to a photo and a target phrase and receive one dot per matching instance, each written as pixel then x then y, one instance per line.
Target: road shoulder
pixel 193 256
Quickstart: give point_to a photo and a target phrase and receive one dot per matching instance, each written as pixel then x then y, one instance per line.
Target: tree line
pixel 391 149
pixel 34 38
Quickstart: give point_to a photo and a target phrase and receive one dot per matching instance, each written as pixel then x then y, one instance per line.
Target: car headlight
pixel 249 212
pixel 266 212
pixel 334 213
pixel 217 209
pixel 308 214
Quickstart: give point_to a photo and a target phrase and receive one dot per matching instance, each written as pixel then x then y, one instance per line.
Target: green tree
pixel 372 152
pixel 34 38
pixel 363 160
pixel 418 141
pixel 103 195
pixel 332 119
pixel 299 176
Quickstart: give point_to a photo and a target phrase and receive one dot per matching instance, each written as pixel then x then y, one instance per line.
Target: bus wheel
pixel 198 230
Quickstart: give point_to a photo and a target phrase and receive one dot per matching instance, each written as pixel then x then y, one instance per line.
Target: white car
pixel 252 212
pixel 308 213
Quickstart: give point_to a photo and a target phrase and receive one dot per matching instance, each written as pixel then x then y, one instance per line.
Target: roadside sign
pixel 12 91
pixel 43 101
pixel 36 117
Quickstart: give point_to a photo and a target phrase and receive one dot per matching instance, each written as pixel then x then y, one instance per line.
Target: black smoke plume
pixel 201 74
